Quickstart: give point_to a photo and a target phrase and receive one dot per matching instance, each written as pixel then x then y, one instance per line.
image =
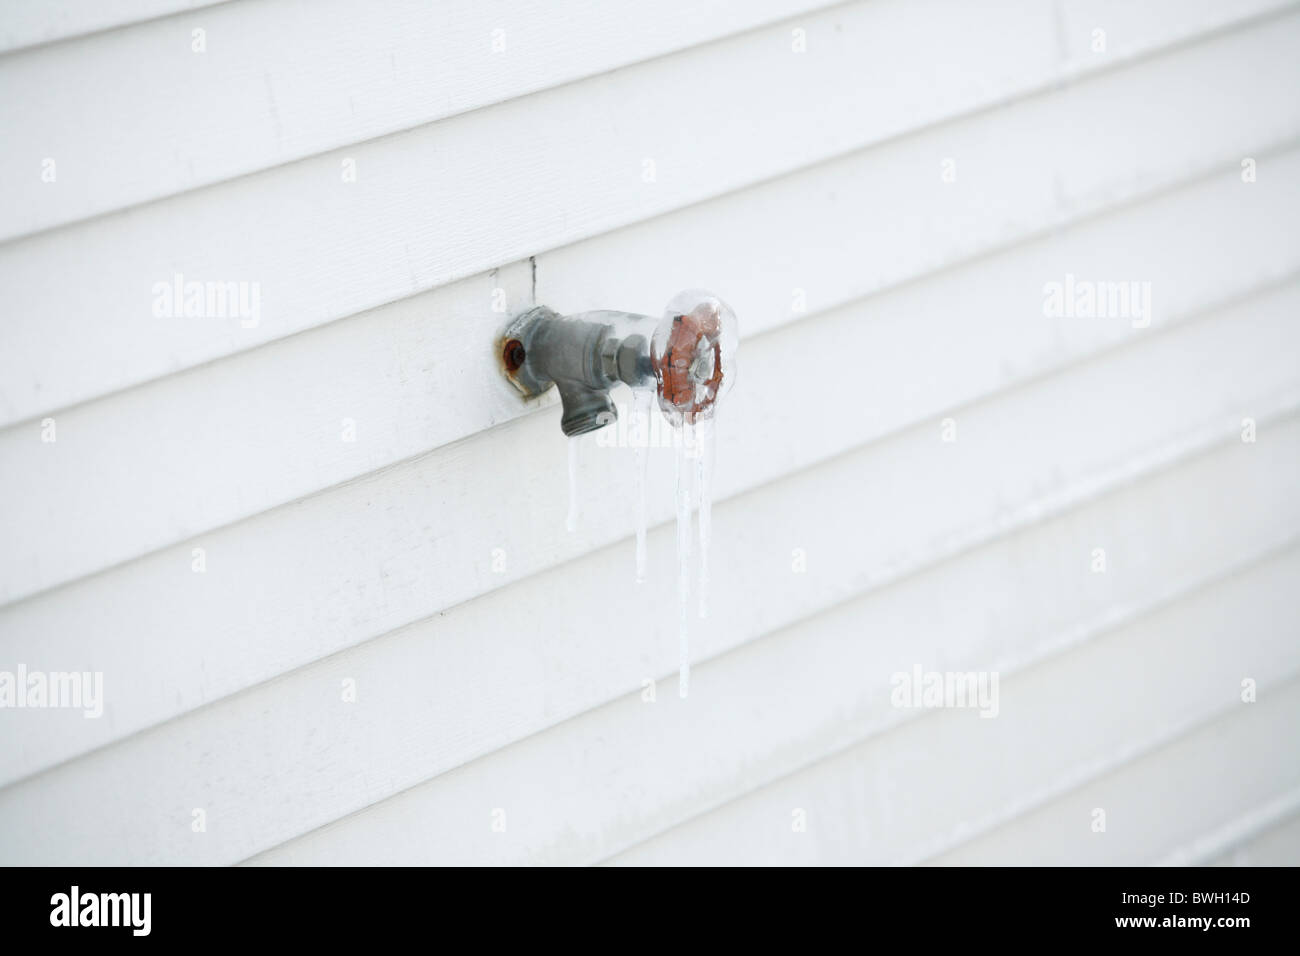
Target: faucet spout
pixel 585 408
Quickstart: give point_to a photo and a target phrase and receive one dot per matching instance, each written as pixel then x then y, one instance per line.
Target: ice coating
pixel 571 519
pixel 704 488
pixel 687 360
pixel 684 472
pixel 693 492
pixel 693 356
pixel 641 439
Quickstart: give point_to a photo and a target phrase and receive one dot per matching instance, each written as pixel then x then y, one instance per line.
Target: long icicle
pixel 684 560
pixel 704 436
pixel 640 434
pixel 571 520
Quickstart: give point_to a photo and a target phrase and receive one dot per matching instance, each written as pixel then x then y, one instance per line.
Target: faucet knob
pixel 693 355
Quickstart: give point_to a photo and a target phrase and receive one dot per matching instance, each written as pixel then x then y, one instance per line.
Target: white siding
pixel 520 687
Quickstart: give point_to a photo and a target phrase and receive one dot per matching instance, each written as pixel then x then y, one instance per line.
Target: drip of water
pixel 704 479
pixel 684 559
pixel 640 431
pixel 571 520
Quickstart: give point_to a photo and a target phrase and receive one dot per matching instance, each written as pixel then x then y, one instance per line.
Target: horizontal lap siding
pixel 449 199
pixel 404 373
pixel 484 687
pixel 419 534
pixel 1247 756
pixel 1276 845
pixel 883 801
pixel 490 695
pixel 281 80
pixel 751 716
pixel 30 23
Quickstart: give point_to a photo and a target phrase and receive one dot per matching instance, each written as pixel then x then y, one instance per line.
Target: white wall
pixel 882 190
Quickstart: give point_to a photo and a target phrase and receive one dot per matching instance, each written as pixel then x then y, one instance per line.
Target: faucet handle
pixel 693 355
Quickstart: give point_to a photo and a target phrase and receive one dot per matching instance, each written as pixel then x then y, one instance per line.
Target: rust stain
pixel 513 355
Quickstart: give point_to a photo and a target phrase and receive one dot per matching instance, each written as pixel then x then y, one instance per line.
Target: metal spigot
pixel 687 356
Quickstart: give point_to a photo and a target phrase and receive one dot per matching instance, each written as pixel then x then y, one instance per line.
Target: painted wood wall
pixel 245 519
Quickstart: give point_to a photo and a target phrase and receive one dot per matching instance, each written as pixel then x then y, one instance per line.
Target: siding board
pixel 1245 758
pixel 46 21
pixel 878 791
pixel 282 80
pixel 426 560
pixel 335 570
pixel 451 199
pixel 634 769
pixel 304 749
pixel 1261 827
pixel 418 374
pixel 1276 846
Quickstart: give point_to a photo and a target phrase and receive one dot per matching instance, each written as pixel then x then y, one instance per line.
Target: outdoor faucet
pixel 688 357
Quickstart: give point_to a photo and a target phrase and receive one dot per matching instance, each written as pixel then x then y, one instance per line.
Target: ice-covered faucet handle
pixel 694 355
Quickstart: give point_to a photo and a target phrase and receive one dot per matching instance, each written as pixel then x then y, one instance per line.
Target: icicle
pixel 640 431
pixel 684 560
pixel 571 521
pixel 704 479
